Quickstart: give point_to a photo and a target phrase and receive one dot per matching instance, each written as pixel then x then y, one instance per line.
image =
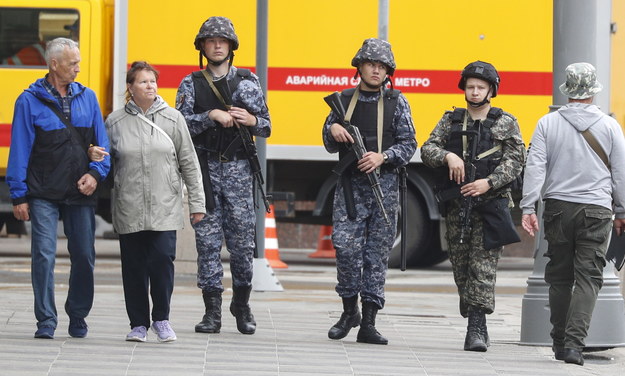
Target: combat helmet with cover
pixel 217 27
pixel 374 49
pixel 482 70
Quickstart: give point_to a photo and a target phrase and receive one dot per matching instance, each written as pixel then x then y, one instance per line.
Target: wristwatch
pixel 385 156
pixel 490 182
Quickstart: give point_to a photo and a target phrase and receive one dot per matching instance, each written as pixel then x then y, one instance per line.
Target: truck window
pixel 25 31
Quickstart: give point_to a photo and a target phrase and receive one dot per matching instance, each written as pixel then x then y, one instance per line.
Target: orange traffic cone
pixel 325 249
pixel 272 254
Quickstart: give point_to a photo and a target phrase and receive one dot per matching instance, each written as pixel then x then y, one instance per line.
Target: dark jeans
pixel 578 239
pixel 79 227
pixel 148 269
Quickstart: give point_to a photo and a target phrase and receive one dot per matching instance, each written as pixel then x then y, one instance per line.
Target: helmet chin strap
pixel 475 105
pixel 479 104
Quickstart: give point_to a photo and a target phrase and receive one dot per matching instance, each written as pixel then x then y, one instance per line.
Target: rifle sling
pixel 236 143
pixel 380 120
pixel 464 142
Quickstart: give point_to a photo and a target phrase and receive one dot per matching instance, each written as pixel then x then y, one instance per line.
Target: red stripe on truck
pixel 5 135
pixel 408 81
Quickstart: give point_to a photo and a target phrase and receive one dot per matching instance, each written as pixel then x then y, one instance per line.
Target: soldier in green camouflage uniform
pixel 475 267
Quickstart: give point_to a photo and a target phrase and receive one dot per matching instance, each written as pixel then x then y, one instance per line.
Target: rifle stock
pixel 334 101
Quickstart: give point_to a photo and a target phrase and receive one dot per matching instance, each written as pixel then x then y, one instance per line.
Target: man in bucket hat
pixel 582 186
pixel 362 237
pixel 220 104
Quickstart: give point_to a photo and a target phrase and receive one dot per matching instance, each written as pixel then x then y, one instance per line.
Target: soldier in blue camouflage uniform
pixel 474 266
pixel 226 173
pixel 363 240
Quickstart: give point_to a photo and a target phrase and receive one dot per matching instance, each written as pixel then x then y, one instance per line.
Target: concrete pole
pixel 581 32
pixel 264 279
pixel 383 15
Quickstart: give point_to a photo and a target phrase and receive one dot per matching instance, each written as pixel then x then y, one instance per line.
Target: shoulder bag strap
pixel 158 129
pixel 594 145
pixel 65 121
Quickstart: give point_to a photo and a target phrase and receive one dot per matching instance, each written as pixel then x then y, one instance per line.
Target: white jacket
pixel 148 172
pixel 562 165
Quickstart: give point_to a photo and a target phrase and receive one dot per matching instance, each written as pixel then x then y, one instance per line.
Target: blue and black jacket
pixel 46 160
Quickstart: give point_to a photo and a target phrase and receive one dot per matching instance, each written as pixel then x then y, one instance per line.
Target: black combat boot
pixel 211 322
pixel 484 329
pixel 240 309
pixel 367 332
pixel 474 341
pixel 350 318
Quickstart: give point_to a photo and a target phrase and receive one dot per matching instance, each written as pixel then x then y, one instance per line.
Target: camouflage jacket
pixel 405 143
pixel 248 95
pixel 505 132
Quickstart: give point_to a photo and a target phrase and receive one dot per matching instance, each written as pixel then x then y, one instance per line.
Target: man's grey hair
pixel 55 47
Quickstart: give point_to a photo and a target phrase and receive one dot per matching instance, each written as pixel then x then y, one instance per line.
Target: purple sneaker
pixel 164 332
pixel 138 334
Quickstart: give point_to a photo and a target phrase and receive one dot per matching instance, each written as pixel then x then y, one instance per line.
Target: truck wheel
pixel 422 236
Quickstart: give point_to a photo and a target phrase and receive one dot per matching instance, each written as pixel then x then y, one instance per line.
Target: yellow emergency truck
pixel 310 47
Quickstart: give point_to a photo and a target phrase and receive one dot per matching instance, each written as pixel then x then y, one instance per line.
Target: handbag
pixel 616 250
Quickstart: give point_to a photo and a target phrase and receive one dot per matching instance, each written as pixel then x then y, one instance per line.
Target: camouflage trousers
pixel 232 220
pixel 578 236
pixel 474 268
pixel 363 244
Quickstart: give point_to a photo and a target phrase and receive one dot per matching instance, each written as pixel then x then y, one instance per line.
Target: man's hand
pixel 242 117
pixel 196 217
pixel 222 117
pixel 476 188
pixel 370 161
pixel 97 153
pixel 529 223
pixel 21 212
pixel 340 134
pixel 87 185
pixel 619 226
pixel 456 167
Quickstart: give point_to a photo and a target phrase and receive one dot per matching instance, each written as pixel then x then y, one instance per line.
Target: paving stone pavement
pixel 420 320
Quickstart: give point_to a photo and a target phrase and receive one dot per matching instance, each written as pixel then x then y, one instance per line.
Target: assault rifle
pixel 252 156
pixel 469 172
pixel 334 101
pixel 250 151
pixel 468 202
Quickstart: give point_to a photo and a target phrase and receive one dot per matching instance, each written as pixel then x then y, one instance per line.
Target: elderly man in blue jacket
pixel 50 176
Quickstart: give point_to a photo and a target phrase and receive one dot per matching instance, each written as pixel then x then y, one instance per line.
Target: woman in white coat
pixel 153 155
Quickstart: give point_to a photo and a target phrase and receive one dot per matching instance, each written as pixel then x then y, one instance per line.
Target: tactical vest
pixel 485 165
pixel 216 139
pixel 365 118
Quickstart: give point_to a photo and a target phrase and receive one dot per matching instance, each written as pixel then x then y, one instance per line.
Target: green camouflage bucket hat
pixel 581 81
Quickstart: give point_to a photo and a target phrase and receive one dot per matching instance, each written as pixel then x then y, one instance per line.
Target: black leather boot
pixel 211 322
pixel 240 309
pixel 367 332
pixel 474 341
pixel 350 318
pixel 484 329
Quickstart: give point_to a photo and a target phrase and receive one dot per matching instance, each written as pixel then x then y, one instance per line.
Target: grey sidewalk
pixel 420 319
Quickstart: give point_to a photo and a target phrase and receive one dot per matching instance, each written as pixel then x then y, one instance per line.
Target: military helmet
pixel 217 27
pixel 374 49
pixel 482 70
